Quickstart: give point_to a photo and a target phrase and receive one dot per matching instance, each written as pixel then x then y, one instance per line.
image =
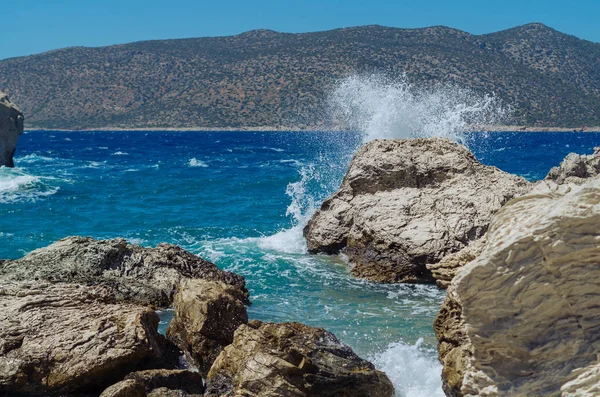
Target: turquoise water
pixel 240 200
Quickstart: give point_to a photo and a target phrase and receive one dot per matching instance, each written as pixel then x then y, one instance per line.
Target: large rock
pixel 64 337
pixel 207 313
pixel 292 359
pixel 11 126
pixel 523 317
pixel 407 203
pixel 147 276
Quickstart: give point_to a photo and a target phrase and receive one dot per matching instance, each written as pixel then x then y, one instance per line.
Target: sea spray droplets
pixel 382 107
pixel 413 369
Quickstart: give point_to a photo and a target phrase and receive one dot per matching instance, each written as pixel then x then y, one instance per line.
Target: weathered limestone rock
pixel 576 169
pixel 444 271
pixel 292 359
pixel 11 126
pixel 125 388
pixel 207 313
pixel 407 203
pixel 66 337
pixel 147 276
pixel 523 317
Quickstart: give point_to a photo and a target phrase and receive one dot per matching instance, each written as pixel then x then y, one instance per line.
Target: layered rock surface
pixel 576 168
pixel 147 276
pixel 292 359
pixel 407 203
pixel 523 317
pixel 67 337
pixel 11 126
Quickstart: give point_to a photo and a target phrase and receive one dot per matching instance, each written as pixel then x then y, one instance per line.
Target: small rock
pixel 207 313
pixel 173 379
pixel 125 388
pixel 292 359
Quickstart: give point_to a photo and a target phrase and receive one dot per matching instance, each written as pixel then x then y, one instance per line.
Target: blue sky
pixel 33 26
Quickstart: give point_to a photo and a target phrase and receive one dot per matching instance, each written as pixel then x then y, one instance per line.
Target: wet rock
pixel 66 338
pixel 407 203
pixel 11 126
pixel 292 359
pixel 207 313
pixel 148 276
pixel 523 317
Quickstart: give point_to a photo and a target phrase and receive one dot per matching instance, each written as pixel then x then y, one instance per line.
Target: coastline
pixel 488 128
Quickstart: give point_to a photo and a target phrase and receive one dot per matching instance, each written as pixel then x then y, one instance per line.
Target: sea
pixel 241 200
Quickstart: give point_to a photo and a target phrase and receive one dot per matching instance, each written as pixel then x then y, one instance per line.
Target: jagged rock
pixel 207 313
pixel 147 276
pixel 576 169
pixel 407 203
pixel 11 126
pixel 523 317
pixel 292 359
pixel 444 271
pixel 125 388
pixel 184 380
pixel 66 337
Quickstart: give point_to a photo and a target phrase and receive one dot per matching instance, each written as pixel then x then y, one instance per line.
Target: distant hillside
pixel 265 78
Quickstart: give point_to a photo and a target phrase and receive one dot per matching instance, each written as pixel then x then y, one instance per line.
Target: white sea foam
pixel 119 153
pixel 384 107
pixel 413 369
pixel 197 163
pixel 16 186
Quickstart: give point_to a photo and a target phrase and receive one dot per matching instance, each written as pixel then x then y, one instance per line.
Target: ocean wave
pixel 119 153
pixel 194 162
pixel 413 369
pixel 18 186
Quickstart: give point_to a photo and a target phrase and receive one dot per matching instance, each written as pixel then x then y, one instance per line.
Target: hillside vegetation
pixel 265 78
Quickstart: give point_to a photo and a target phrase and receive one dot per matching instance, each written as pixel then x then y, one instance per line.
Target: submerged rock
pixel 407 203
pixel 148 276
pixel 207 313
pixel 523 318
pixel 66 337
pixel 292 359
pixel 11 126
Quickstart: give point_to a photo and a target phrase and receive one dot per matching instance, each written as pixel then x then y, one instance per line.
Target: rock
pixel 444 271
pixel 576 169
pixel 11 126
pixel 407 203
pixel 523 317
pixel 292 359
pixel 125 388
pixel 148 276
pixel 184 380
pixel 207 313
pixel 63 338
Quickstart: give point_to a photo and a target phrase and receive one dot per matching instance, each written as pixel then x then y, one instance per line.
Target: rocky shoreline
pixel 521 315
pixel 78 319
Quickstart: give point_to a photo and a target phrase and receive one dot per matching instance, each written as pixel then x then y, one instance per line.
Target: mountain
pixel 266 78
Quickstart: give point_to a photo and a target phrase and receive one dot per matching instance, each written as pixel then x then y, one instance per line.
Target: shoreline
pixel 488 128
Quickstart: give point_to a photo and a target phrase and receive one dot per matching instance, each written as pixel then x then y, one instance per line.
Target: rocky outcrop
pixel 407 203
pixel 125 388
pixel 66 337
pixel 148 276
pixel 207 313
pixel 522 318
pixel 576 169
pixel 292 359
pixel 11 126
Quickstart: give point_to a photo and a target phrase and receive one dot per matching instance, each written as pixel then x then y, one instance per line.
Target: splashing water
pixel 384 107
